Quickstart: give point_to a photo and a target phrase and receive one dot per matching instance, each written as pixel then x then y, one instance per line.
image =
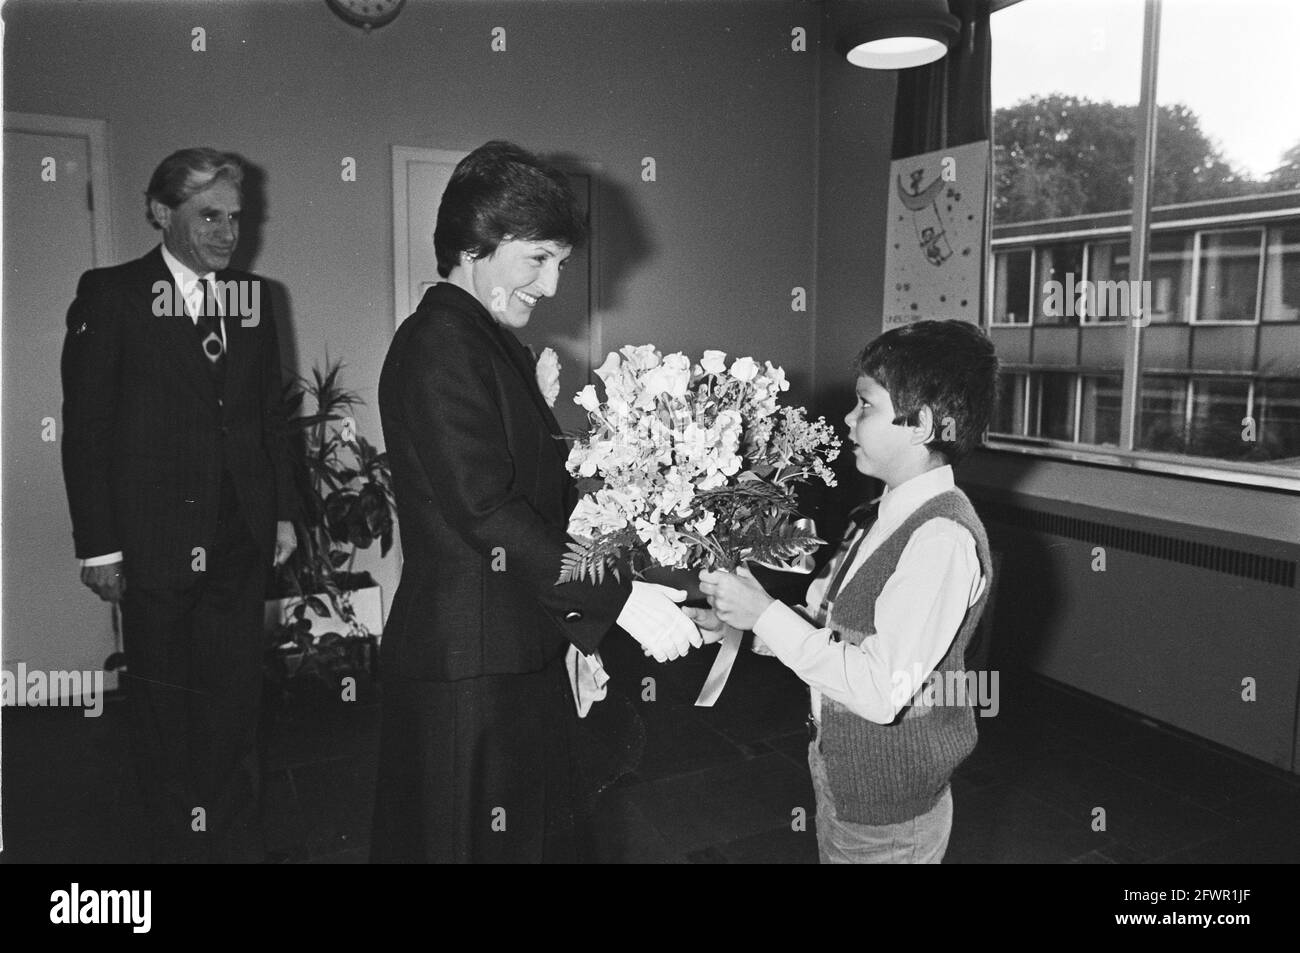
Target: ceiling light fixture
pixel 898 34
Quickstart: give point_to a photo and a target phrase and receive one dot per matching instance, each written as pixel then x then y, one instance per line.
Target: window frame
pixel 1143 215
pixel 1088 320
pixel 1269 228
pixel 993 276
pixel 1198 249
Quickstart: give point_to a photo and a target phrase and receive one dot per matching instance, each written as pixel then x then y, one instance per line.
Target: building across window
pixel 1221 351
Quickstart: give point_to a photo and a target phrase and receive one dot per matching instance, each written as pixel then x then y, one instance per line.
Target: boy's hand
pixel 736 597
pixel 711 627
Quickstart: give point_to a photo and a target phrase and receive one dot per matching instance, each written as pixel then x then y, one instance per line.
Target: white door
pixel 51 235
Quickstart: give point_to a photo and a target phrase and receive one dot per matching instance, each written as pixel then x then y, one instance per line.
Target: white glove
pixel 651 616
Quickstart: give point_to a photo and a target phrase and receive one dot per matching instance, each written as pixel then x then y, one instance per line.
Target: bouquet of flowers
pixel 691 466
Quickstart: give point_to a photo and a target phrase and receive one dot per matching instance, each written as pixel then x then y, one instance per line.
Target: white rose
pixel 587 399
pixel 714 362
pixel 678 372
pixel 744 369
pixel 666 379
pixel 642 357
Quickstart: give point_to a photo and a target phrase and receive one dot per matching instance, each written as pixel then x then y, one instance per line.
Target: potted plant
pixel 324 613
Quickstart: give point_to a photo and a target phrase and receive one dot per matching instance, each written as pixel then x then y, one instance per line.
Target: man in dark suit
pixel 177 466
pixel 477 759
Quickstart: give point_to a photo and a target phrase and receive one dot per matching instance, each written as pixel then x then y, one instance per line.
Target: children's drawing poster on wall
pixel 933 257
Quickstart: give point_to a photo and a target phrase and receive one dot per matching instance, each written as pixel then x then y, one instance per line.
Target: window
pixel 1099 413
pixel 1066 78
pixel 1282 275
pixel 1218 425
pixel 1277 412
pixel 1009 411
pixel 1171 277
pixel 1011 286
pixel 1060 273
pixel 1164 414
pixel 1229 267
pixel 1219 292
pixel 1051 400
pixel 1107 274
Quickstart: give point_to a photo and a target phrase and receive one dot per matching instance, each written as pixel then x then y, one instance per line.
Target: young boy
pixel 895 608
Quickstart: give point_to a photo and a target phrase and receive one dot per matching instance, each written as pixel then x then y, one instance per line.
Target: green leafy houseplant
pixel 346 504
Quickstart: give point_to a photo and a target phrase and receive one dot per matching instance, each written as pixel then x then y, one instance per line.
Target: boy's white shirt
pixel 938 569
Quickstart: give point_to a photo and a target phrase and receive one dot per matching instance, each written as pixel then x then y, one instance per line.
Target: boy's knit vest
pixel 886 774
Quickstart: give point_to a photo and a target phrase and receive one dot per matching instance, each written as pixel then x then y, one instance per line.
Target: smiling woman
pixel 513 278
pixel 477 758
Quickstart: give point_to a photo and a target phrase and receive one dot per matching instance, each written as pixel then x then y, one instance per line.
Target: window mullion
pixel 1139 236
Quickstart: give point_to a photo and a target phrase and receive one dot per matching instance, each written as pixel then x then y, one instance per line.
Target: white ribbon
pixel 721 671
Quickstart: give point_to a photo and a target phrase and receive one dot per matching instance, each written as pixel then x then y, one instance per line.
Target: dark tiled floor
pixel 1057 778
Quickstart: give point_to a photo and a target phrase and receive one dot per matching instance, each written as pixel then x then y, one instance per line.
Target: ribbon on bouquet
pixel 721 671
pixel 730 648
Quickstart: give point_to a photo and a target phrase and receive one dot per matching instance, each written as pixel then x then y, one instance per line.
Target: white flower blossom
pixel 611 367
pixel 548 375
pixel 642 357
pixel 587 399
pixel 776 375
pixel 703 524
pixel 714 362
pixel 661 436
pixel 744 369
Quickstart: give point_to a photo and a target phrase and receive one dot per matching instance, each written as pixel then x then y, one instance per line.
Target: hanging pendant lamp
pixel 896 34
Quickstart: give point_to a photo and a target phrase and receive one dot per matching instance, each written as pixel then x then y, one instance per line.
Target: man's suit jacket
pixel 483 500
pixel 146 435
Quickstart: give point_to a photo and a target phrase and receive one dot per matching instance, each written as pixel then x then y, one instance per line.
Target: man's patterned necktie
pixel 208 325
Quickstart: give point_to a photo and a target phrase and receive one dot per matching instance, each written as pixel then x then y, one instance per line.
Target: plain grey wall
pixel 706 256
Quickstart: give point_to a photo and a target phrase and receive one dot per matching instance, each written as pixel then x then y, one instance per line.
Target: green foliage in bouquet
pixel 757 521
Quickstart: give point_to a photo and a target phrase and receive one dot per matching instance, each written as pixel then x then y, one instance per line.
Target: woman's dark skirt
pixel 496 769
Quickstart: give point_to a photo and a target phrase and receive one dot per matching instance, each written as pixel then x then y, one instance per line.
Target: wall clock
pixel 366 14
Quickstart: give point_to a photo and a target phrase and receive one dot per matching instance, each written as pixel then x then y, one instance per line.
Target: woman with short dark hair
pixel 501 191
pixel 477 750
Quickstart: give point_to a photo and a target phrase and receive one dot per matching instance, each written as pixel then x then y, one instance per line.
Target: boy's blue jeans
pixel 921 840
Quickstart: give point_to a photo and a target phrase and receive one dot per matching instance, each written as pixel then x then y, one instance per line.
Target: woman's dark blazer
pixel 483 500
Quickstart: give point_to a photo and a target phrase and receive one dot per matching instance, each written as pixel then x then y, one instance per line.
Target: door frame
pixel 95 132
